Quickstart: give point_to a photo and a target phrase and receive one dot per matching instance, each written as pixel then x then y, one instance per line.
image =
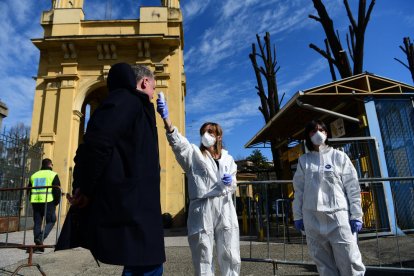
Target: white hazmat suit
pixel 327 197
pixel 211 215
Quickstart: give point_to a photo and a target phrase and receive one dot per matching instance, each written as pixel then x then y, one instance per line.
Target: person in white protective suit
pixel 327 205
pixel 211 174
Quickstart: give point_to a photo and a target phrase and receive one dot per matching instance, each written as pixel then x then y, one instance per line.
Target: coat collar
pixel 142 95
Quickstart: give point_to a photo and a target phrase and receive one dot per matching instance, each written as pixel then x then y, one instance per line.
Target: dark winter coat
pixel 118 168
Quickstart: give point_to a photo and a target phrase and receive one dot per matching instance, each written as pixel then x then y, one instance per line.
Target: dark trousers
pixel 148 270
pixel 38 215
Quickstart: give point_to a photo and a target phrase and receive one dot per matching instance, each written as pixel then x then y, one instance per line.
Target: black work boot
pixel 38 249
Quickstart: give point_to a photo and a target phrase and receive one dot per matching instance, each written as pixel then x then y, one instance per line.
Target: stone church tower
pixel 75 57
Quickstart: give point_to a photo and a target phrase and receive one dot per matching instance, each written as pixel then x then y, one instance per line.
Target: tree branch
pixel 270 78
pixel 260 47
pixel 333 38
pixel 268 60
pixel 330 63
pixel 405 65
pixel 350 41
pixel 314 17
pixel 281 99
pixel 263 71
pixel 350 16
pixel 259 55
pixel 260 88
pixel 322 52
pixel 263 112
pixel 338 37
pixel 370 8
pixel 274 56
pixel 277 69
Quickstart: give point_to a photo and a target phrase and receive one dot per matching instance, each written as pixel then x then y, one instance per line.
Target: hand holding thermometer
pixel 162 107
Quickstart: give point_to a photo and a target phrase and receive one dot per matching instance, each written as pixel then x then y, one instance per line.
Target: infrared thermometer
pixel 161 96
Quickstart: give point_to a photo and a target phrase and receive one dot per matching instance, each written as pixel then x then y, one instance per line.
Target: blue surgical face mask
pixel 208 140
pixel 318 138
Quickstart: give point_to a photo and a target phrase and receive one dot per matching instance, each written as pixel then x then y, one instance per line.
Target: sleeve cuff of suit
pixel 173 134
pixel 174 137
pixel 297 217
pixel 355 218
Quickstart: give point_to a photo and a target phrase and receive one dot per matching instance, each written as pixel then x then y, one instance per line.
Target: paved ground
pixel 80 262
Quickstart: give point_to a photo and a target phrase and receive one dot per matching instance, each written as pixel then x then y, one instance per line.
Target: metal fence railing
pixel 21 237
pixel 386 241
pixel 18 161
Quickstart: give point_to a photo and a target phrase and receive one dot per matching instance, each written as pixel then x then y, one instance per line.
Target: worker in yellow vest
pixel 44 201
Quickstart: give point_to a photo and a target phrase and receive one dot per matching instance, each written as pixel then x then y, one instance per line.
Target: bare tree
pixel 408 50
pixel 334 53
pixel 270 104
pixel 19 131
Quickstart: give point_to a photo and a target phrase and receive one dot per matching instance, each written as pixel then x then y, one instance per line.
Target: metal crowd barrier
pixel 386 241
pixel 15 218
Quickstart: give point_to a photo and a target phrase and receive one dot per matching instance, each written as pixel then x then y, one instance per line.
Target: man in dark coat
pixel 117 175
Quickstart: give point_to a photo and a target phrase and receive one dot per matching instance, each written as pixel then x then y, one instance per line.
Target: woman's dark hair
pixel 311 126
pixel 218 131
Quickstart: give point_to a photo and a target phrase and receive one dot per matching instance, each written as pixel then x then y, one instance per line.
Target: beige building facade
pixel 75 57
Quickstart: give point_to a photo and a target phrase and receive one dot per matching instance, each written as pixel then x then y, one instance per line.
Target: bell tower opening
pixel 90 104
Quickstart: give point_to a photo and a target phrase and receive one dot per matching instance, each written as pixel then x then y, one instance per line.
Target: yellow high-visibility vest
pixel 39 179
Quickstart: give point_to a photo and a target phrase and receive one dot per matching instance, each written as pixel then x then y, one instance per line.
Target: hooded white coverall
pixel 211 215
pixel 327 197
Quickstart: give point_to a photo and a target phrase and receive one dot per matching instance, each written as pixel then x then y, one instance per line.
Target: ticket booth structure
pixel 369 117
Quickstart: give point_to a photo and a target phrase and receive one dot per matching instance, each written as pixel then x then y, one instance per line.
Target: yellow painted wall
pixel 75 57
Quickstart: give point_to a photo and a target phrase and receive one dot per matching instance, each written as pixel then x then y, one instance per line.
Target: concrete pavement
pixel 79 261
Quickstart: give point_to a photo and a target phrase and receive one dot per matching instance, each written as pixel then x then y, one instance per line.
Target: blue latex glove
pixel 299 225
pixel 162 108
pixel 227 179
pixel 356 225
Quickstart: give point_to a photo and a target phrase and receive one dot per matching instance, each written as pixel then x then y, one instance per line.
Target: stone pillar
pixel 67 126
pixel 170 80
pixel 74 142
pixel 47 124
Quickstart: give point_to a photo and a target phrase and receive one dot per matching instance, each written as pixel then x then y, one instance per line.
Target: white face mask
pixel 208 140
pixel 318 138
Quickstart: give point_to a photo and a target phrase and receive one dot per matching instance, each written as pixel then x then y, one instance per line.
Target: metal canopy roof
pixel 341 96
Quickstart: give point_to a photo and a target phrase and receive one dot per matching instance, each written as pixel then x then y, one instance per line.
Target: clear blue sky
pixel 218 37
